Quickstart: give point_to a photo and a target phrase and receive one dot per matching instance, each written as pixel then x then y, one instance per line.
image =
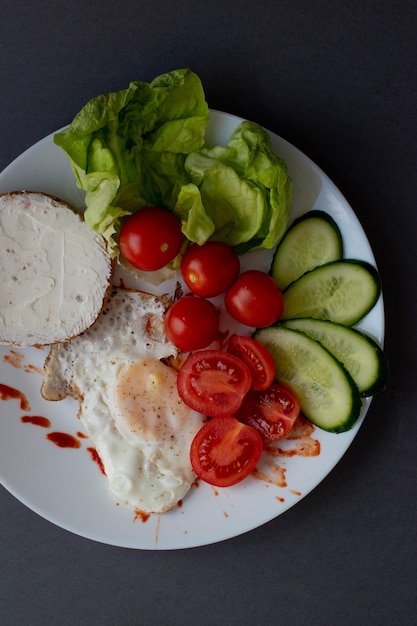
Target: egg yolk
pixel 148 403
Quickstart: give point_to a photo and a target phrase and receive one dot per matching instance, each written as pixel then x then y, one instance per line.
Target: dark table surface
pixel 339 81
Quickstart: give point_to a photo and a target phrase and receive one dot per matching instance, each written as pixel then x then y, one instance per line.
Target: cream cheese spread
pixel 55 272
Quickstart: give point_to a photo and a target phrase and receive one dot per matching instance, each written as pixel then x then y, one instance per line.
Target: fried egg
pixel 129 403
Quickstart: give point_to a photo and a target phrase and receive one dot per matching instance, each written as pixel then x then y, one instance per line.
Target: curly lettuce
pixel 240 193
pixel 127 149
pixel 145 146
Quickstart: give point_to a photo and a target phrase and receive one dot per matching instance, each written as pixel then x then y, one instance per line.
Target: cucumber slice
pixel 312 240
pixel 360 354
pixel 341 291
pixel 327 393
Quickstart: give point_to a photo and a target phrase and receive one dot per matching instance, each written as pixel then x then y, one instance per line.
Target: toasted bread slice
pixel 55 272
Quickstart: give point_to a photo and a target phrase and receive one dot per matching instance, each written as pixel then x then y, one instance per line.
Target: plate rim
pixel 353 433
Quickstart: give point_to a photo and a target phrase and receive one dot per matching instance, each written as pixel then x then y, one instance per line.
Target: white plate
pixel 66 487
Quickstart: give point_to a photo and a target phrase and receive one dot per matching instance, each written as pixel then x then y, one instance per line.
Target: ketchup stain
pixel 82 435
pixel 14 358
pixel 36 420
pixel 64 440
pixel 304 443
pixel 10 393
pixel 29 369
pixel 96 458
pixel 299 442
pixel 274 474
pixel 141 515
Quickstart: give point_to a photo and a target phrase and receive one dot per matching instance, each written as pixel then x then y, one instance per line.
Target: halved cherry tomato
pixel 209 270
pixel 192 323
pixel 257 358
pixel 255 299
pixel 150 238
pixel 213 382
pixel 225 451
pixel 272 412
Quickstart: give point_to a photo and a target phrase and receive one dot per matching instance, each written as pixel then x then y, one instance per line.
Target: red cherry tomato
pixel 225 451
pixel 257 358
pixel 271 412
pixel 210 269
pixel 150 238
pixel 213 382
pixel 255 299
pixel 192 323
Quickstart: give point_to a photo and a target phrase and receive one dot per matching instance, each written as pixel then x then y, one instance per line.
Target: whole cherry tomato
pixel 192 323
pixel 209 270
pixel 255 299
pixel 150 238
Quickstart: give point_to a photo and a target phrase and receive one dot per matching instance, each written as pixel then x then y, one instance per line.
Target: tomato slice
pixel 225 451
pixel 213 382
pixel 272 412
pixel 257 358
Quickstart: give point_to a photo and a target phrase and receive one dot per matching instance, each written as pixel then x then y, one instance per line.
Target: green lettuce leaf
pixel 144 146
pixel 240 194
pixel 127 149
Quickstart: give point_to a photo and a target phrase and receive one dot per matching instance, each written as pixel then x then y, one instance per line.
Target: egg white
pixel 129 403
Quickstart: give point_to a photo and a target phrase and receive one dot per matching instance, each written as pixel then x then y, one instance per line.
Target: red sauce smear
pixel 274 474
pixel 82 435
pixel 141 515
pixel 304 445
pixel 14 358
pixel 158 524
pixel 64 440
pixel 36 420
pixel 29 369
pixel 96 458
pixel 10 393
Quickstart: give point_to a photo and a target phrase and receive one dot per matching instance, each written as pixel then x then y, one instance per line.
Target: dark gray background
pixel 338 80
